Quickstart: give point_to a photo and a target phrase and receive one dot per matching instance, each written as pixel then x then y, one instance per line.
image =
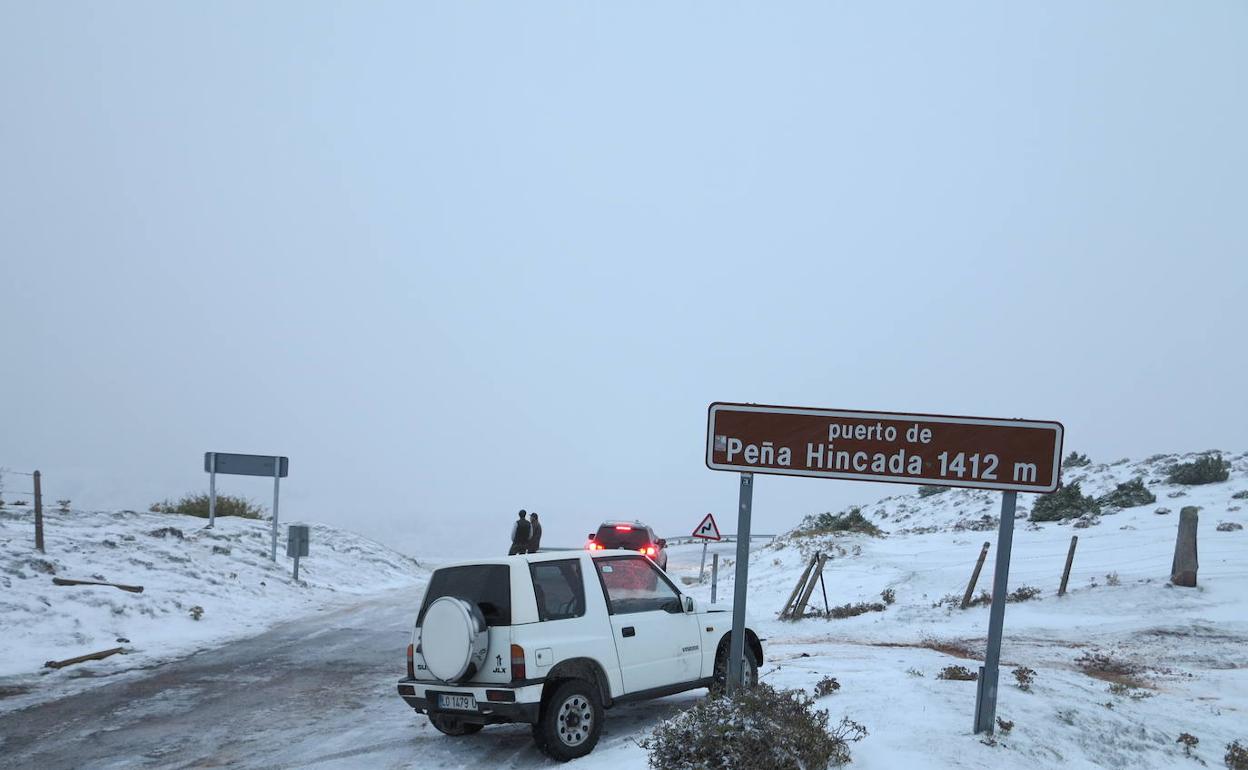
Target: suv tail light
pixel 623 528
pixel 411 665
pixel 517 663
pixel 594 545
pixel 648 550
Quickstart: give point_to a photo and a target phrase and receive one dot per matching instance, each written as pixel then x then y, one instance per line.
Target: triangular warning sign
pixel 708 529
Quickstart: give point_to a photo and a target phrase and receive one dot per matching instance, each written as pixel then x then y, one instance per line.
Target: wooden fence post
pixel 1183 569
pixel 38 512
pixel 801 583
pixel 970 587
pixel 800 611
pixel 1070 559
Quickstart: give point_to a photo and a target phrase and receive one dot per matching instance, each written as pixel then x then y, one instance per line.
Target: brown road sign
pixel 940 450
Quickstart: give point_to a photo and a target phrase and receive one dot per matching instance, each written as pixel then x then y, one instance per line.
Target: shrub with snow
pixel 1068 502
pixel 758 727
pixel 1236 756
pixel 197 505
pixel 1129 495
pixel 1075 460
pixel 1208 469
pixel 834 523
pixel 957 673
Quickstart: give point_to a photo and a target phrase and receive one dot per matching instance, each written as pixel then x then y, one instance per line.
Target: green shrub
pixel 197 505
pixel 926 491
pixel 1075 460
pixel 1068 502
pixel 758 727
pixel 1129 495
pixel 1208 469
pixel 1023 594
pixel 853 610
pixel 833 523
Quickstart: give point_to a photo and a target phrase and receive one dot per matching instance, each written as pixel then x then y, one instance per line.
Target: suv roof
pixel 537 557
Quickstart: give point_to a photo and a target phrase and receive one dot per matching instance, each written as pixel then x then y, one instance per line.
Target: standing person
pixel 535 534
pixel 520 535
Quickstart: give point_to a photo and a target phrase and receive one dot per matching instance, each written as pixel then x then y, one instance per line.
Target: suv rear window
pixel 632 539
pixel 486 585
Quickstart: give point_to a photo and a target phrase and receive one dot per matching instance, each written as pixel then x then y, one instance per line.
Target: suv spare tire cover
pixel 454 639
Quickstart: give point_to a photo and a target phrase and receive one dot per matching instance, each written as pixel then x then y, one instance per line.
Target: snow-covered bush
pixel 758 727
pixel 1208 469
pixel 197 505
pixel 926 491
pixel 1068 502
pixel 1075 460
pixel 834 523
pixel 1236 756
pixel 957 673
pixel 1025 677
pixel 1129 495
pixel 826 686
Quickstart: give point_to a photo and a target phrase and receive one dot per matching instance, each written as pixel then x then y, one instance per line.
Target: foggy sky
pixel 456 259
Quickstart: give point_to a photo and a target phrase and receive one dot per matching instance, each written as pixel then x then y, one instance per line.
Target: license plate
pixel 457 702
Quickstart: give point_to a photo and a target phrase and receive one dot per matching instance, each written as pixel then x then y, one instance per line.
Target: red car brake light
pixel 623 528
pixel 411 665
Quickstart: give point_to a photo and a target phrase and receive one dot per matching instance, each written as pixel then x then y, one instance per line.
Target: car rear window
pixel 486 585
pixel 632 539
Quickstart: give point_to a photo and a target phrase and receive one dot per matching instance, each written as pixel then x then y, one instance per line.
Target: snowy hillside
pixel 1175 658
pixel 201 587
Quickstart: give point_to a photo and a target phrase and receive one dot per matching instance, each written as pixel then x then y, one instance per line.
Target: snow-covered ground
pixel 223 575
pixel 1187 648
pixel 1180 654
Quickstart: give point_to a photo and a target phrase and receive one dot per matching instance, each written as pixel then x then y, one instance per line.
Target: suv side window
pixel 559 589
pixel 635 584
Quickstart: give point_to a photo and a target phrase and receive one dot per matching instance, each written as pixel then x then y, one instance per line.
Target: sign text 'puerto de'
pixel 940 450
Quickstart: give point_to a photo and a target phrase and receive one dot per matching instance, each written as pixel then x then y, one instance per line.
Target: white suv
pixel 553 639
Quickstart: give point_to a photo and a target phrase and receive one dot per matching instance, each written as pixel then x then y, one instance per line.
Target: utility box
pixel 297 540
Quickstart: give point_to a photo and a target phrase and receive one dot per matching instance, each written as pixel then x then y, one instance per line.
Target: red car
pixel 630 536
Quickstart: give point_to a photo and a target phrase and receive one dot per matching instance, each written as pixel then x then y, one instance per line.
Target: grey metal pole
pixel 296 566
pixel 212 489
pixel 736 646
pixel 277 480
pixel 38 510
pixel 702 570
pixel 986 694
pixel 714 576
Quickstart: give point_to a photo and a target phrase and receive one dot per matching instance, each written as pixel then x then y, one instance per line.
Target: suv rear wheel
pixel 571 721
pixel 454 725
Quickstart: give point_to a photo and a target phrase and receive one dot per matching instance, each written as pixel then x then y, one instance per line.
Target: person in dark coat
pixel 520 535
pixel 535 533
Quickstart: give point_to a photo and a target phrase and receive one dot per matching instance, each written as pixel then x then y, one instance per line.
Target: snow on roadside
pixel 1186 649
pixel 225 572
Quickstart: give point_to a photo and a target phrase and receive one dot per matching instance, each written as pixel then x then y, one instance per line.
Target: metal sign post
pixel 986 694
pixel 736 645
pixel 277 480
pixel 297 544
pixel 245 465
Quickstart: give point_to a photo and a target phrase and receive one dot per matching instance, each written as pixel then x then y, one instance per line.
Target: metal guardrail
pixel 688 539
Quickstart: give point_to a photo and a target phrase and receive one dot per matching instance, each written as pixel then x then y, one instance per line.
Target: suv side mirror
pixel 662 543
pixel 690 605
pixel 592 535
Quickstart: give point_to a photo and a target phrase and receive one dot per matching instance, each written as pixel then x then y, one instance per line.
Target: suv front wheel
pixel 571 721
pixel 721 671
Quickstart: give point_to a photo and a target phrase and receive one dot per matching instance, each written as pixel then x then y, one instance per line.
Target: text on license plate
pixel 457 702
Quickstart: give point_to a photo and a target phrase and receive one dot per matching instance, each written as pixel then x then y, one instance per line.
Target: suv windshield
pixel 486 585
pixel 632 539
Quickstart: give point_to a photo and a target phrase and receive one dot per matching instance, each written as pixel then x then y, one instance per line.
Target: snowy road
pixel 317 692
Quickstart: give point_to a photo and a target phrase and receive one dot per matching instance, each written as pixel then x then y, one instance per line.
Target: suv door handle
pixel 628 631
